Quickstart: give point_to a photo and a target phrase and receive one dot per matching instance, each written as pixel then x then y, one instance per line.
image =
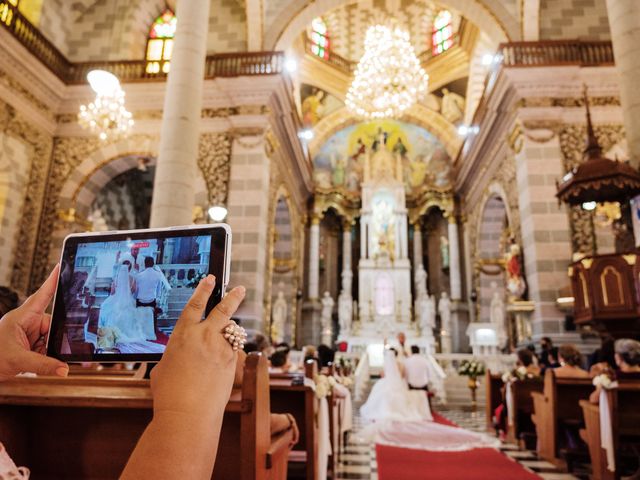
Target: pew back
pixel 523 407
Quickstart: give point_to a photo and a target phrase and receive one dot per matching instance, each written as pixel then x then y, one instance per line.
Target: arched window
pixel 160 43
pixel 442 35
pixel 319 37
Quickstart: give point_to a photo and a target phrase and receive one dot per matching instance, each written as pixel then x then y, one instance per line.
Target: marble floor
pixel 358 460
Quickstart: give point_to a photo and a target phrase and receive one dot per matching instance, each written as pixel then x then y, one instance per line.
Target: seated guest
pixel 309 352
pixel 526 360
pixel 553 360
pixel 326 355
pixel 570 363
pixel 627 355
pixel 546 348
pixel 604 358
pixel 251 347
pixel 279 361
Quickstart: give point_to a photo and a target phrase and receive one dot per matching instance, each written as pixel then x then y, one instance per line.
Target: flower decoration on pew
pixel 603 380
pixel 324 385
pixel 471 368
pixel 520 373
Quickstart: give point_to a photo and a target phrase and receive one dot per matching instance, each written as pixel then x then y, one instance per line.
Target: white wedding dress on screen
pixel 119 313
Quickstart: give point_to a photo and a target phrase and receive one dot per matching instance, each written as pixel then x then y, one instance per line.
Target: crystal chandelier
pixel 388 79
pixel 106 115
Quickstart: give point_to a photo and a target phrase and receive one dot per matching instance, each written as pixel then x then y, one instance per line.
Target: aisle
pixel 360 461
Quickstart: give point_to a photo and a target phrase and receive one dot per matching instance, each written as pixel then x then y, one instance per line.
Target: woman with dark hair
pixel 570 363
pixel 604 358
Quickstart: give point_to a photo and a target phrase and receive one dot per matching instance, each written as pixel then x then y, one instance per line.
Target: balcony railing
pixel 556 53
pixel 218 65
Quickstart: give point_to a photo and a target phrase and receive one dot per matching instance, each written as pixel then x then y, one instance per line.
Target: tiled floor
pixel 358 460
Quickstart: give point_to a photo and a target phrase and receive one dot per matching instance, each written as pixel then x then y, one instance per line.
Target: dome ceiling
pixel 347 25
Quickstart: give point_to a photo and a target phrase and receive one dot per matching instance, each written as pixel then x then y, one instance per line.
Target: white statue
pixel 325 318
pixel 427 313
pixel 345 313
pixel 452 106
pixel 444 309
pixel 421 282
pixel 278 318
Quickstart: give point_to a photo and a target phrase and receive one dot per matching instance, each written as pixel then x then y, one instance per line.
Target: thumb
pixel 42 365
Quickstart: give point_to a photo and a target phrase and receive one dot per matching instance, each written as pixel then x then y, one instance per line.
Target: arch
pixel 419 115
pixel 495 20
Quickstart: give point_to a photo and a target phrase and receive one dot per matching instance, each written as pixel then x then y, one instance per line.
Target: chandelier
pixel 106 116
pixel 389 78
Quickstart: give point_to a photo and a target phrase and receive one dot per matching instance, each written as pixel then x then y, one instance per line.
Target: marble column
pixel 347 273
pixel 624 21
pixel 314 258
pixel 454 259
pixel 468 270
pixel 417 246
pixel 173 189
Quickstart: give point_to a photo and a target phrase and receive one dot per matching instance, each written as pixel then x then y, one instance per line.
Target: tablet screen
pixel 120 295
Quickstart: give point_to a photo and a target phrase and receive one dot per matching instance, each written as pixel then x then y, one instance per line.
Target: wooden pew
pixel 493 392
pixel 555 408
pixel 301 402
pixel 87 427
pixel 625 421
pixel 523 405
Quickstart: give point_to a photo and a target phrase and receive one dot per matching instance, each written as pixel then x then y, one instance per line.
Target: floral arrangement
pixel 324 385
pixel 345 381
pixel 471 368
pixel 520 373
pixel 603 380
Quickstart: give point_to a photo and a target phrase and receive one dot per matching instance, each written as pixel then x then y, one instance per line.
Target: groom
pixel 147 285
pixel 417 370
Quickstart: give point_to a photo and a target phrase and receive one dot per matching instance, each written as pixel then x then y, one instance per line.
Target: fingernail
pixel 241 290
pixel 62 371
pixel 210 279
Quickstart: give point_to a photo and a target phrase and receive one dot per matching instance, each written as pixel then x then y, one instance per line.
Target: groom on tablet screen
pixel 147 286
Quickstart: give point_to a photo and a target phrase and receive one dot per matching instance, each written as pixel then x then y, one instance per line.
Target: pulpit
pixel 605 290
pixel 484 338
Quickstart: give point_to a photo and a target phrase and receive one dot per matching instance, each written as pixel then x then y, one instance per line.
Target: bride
pixel 401 417
pixel 119 319
pixel 391 399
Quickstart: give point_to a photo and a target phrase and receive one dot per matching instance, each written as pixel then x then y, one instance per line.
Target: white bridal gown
pixel 401 417
pixel 119 312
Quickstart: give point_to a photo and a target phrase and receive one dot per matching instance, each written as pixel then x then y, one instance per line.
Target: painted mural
pixel 340 161
pixel 316 104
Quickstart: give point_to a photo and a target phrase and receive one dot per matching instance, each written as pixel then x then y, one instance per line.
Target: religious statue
pixel 383 165
pixel 420 281
pixel 444 309
pixel 452 106
pixel 360 148
pixel 278 318
pixel 418 171
pixel 427 314
pixel 345 313
pixel 444 251
pixel 327 310
pixel 516 284
pixel 400 148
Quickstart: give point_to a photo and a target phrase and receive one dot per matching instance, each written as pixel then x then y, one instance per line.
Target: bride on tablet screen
pixel 120 321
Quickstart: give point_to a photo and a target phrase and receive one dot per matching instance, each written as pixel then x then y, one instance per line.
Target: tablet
pixel 121 293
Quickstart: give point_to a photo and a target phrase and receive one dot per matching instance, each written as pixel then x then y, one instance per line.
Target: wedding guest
pixel 402 349
pixel 570 363
pixel 553 359
pixel 182 437
pixel 279 361
pixel 326 355
pixel 9 300
pixel 546 347
pixel 525 359
pixel 627 355
pixel 604 358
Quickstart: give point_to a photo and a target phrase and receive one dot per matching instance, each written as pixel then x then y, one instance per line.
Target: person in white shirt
pixel 148 283
pixel 417 370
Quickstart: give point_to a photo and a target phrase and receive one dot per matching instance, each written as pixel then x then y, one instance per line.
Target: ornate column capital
pixel 316 218
pixel 347 223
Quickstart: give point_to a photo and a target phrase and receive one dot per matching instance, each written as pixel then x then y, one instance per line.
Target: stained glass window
pixel 442 35
pixel 160 43
pixel 319 37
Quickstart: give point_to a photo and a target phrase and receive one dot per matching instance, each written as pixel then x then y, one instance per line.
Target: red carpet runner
pixel 479 464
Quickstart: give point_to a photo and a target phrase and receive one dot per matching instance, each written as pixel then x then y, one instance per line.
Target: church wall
pixel 248 206
pixel 15 160
pixel 227 27
pixel 574 19
pixel 545 231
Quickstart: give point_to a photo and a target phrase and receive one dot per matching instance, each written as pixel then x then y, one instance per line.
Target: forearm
pixel 176 446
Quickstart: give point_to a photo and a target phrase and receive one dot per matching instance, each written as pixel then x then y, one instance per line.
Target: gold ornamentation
pixel 585 290
pixel 514 138
pixel 630 258
pixel 575 102
pixel 587 262
pixel 214 158
pixel 609 270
